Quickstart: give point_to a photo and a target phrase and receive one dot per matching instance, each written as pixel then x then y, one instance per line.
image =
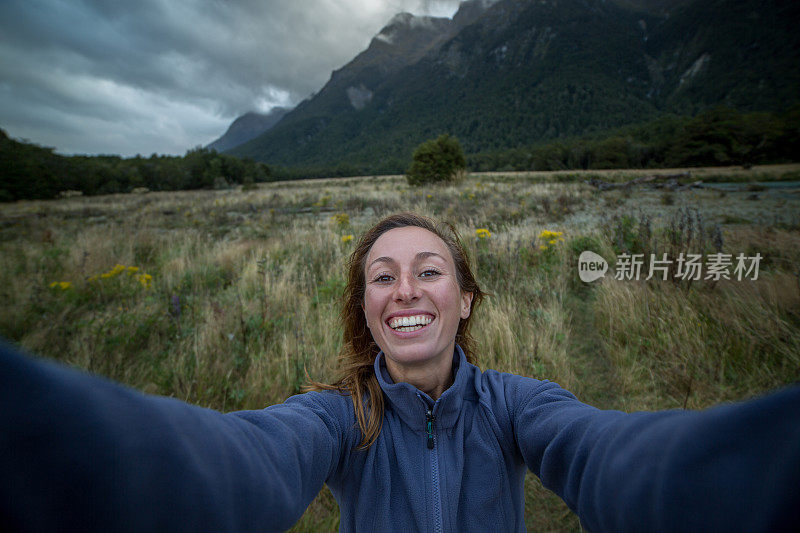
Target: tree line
pixel 28 171
pixel 715 137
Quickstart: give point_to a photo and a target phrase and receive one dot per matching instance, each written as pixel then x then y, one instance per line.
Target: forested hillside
pixel 718 136
pixel 525 73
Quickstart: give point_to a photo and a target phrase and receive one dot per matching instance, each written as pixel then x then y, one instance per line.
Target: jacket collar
pixel 410 403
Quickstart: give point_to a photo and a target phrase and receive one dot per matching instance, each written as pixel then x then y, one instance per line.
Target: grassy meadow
pixel 226 298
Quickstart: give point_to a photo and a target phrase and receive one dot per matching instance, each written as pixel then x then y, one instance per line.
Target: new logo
pixel 591 266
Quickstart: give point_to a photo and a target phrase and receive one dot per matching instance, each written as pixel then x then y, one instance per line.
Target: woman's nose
pixel 407 288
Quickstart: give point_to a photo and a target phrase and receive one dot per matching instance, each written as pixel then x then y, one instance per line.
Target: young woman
pixel 412 437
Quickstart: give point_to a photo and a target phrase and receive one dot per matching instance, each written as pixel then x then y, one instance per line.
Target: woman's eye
pixel 383 278
pixel 430 273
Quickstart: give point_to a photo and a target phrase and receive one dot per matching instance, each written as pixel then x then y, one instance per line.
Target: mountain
pixel 514 73
pixel 742 54
pixel 402 42
pixel 248 126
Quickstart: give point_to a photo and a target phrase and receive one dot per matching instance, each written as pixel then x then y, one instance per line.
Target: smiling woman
pixel 412 437
pixel 410 293
pixel 413 306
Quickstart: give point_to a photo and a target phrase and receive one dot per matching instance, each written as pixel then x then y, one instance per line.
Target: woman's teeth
pixel 410 323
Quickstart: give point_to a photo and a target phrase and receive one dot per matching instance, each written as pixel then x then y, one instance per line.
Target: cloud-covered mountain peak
pixel 405 27
pixel 412 21
pixel 410 26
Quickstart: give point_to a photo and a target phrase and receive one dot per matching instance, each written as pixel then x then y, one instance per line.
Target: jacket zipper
pixel 429 418
pixel 437 497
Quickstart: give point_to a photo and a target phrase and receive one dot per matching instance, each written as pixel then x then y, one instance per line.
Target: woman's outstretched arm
pixel 735 467
pixel 79 452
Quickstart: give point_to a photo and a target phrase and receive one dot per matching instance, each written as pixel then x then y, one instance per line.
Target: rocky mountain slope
pixel 514 73
pixel 246 127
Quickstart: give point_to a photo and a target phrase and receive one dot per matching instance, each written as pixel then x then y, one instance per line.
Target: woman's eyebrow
pixel 425 255
pixel 383 259
pixel 420 255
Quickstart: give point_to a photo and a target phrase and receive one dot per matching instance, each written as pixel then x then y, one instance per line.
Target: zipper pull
pixel 429 418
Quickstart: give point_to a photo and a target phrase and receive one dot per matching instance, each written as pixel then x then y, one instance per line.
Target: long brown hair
pixel 357 358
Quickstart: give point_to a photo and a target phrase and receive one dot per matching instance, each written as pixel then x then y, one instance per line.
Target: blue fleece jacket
pixel 79 452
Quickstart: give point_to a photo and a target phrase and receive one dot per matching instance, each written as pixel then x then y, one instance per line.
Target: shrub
pixel 437 160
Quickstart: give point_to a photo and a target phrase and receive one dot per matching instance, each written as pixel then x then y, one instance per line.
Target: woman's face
pixel 412 300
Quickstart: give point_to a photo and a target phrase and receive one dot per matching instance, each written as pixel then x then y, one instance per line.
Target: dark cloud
pixel 162 76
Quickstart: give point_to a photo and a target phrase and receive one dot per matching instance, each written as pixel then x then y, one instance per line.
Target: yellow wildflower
pixel 132 269
pixel 342 219
pixel 550 238
pixel 553 236
pixel 146 280
pixel 347 238
pixel 483 233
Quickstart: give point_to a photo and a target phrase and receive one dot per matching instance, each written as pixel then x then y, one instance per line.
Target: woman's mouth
pixel 409 323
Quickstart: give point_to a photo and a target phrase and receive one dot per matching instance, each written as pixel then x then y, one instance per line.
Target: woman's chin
pixel 411 356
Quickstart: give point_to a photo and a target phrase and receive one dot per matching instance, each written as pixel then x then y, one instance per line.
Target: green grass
pixel 245 290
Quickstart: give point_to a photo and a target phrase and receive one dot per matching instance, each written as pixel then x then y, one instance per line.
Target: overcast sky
pixel 163 76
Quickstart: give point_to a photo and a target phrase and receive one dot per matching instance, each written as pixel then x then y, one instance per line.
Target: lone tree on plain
pixel 437 161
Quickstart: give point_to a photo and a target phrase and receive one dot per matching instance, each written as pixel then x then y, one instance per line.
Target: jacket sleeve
pixel 735 467
pixel 81 453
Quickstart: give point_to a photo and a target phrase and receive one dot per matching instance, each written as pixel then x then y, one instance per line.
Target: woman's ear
pixel 366 318
pixel 466 304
